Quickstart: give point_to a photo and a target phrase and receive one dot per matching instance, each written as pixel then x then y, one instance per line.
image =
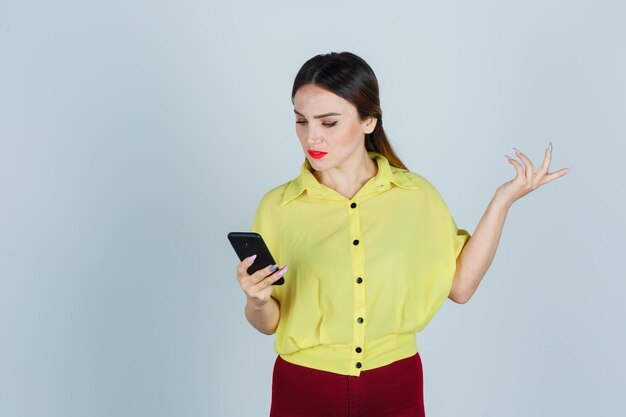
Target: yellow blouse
pixel 365 274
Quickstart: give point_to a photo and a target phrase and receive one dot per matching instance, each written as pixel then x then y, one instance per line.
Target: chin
pixel 318 164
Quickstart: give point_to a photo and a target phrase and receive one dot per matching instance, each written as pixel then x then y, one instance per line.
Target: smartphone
pixel 249 243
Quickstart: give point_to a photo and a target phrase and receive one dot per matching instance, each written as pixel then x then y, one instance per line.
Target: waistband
pixel 344 359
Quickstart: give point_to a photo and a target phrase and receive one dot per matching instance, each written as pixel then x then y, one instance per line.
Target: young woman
pixel 372 252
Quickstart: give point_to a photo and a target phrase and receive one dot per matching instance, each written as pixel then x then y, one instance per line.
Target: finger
pixel 527 163
pixel 242 268
pixel 269 280
pixel 261 289
pixel 554 175
pixel 279 274
pixel 261 274
pixel 545 165
pixel 517 165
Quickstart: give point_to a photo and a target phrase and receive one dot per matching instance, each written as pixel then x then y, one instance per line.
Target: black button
pixel 359 280
pixel 355 242
pixel 359 320
pixel 353 205
pixel 358 349
pixel 358 364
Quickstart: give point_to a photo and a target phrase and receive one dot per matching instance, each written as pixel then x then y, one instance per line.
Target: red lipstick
pixel 316 154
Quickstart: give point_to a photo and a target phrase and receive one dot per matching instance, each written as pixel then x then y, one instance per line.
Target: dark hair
pixel 350 77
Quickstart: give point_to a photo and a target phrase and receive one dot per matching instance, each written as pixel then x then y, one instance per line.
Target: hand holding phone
pixel 247 244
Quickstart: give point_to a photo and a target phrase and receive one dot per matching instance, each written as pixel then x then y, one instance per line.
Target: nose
pixel 313 135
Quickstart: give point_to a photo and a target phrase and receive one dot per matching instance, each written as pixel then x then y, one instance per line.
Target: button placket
pixel 359 313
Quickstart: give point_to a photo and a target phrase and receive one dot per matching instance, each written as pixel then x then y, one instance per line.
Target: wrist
pixel 501 203
pixel 255 304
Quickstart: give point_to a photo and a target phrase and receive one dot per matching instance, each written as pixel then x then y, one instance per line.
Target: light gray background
pixel 134 135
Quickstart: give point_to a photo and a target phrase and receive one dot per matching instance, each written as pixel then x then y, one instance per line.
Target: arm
pixel 262 311
pixel 479 251
pixel 263 318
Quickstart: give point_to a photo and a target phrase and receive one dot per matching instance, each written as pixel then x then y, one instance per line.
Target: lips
pixel 316 154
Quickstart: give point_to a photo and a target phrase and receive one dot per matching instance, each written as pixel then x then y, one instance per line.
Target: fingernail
pixel 251 259
pixel 570 168
pixel 550 147
pixel 273 268
pixel 516 150
pixel 282 270
pixel 508 157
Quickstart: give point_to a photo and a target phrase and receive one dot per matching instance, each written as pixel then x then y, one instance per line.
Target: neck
pixel 348 178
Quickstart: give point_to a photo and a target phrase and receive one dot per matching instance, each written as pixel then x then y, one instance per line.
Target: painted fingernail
pixel 550 147
pixel 282 270
pixel 273 268
pixel 251 259
pixel 517 150
pixel 508 157
pixel 570 168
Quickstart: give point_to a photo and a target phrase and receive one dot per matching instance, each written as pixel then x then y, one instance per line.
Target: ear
pixel 369 124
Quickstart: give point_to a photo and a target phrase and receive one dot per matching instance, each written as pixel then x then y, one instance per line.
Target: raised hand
pixel 527 180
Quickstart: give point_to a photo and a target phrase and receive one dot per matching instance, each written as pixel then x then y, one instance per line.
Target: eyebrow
pixel 319 116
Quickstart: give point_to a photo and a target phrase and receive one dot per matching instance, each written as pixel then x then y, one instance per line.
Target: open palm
pixel 527 179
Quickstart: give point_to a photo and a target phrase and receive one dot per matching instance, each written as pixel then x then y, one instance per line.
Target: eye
pixel 300 122
pixel 329 124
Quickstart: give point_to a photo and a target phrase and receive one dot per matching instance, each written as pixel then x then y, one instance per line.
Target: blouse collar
pixel 383 180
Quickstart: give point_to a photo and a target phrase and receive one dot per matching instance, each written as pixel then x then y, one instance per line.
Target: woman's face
pixel 329 127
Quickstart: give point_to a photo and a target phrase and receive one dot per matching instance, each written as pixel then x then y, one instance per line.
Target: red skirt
pixel 394 390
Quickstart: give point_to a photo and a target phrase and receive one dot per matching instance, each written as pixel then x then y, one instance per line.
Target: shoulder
pixel 267 209
pixel 274 197
pixel 410 179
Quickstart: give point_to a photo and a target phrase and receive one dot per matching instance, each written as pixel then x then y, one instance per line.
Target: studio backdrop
pixel 134 135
